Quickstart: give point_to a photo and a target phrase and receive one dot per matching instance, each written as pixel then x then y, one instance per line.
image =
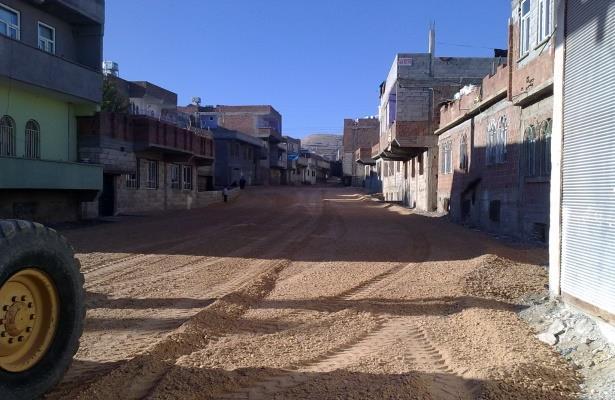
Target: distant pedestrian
pixel 225 194
pixel 242 183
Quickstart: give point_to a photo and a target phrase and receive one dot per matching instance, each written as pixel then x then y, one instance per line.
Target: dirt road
pixel 307 293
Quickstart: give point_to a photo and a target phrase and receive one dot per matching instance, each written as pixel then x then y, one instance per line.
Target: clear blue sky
pixel 316 61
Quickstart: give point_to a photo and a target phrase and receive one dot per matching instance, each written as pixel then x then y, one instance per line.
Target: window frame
pixel 149 183
pixel 47 41
pixel 176 176
pixel 32 140
pixel 525 28
pixel 463 153
pixel 131 183
pixel 9 26
pixel 545 20
pixel 187 184
pixel 11 145
pixel 447 158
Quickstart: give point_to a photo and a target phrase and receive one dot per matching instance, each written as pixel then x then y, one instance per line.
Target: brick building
pixel 260 121
pixel 494 140
pixel 153 157
pixel 148 164
pixel 360 135
pixel 407 153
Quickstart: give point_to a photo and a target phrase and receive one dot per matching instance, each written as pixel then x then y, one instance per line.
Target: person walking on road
pixel 225 194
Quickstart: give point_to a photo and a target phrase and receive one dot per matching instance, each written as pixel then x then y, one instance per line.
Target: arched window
pixel 7 136
pixel 497 133
pixel 530 140
pixel 537 149
pixel 463 153
pixel 491 142
pixel 545 137
pixel 33 140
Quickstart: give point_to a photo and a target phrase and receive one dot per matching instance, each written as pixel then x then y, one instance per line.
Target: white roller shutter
pixel 588 163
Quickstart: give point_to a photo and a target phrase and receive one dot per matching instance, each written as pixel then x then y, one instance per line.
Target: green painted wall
pixel 55 116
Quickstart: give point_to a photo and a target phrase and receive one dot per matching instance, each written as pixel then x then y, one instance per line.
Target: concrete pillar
pixel 555 224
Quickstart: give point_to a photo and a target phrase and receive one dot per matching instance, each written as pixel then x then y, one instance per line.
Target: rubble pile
pixel 579 339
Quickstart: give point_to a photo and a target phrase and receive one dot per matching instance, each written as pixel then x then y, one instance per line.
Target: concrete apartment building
pixel 260 121
pixel 314 168
pixel 293 151
pixel 582 233
pixel 237 155
pixel 360 135
pixel 327 145
pixel 494 140
pixel 50 57
pixel 407 152
pixel 150 163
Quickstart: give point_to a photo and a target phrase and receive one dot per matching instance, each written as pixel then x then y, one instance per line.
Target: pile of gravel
pixel 579 339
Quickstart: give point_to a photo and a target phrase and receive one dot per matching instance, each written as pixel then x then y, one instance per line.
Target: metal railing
pixel 7 139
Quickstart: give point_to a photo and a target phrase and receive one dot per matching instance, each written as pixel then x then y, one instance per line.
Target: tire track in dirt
pixel 286 245
pixel 445 383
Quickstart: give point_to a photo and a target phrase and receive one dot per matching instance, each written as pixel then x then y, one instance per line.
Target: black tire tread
pixel 13 231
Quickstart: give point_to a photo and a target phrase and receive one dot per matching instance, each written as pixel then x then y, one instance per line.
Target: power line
pixel 467 45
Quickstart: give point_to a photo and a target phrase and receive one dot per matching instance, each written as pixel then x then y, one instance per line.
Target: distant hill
pixel 327 145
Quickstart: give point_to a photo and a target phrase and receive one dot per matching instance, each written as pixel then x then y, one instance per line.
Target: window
pixel 131 181
pixel 9 22
pixel 446 166
pixel 524 28
pixel 187 177
pixel 420 161
pixel 46 38
pixel 151 181
pixel 463 153
pixel 545 19
pixel 7 136
pixel 175 184
pixel 203 145
pixel 537 149
pixel 33 140
pixel 497 133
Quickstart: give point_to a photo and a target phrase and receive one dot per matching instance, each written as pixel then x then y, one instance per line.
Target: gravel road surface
pixel 307 293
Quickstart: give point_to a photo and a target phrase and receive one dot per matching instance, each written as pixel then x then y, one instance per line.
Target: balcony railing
pixel 152 133
pixel 33 66
pixel 24 173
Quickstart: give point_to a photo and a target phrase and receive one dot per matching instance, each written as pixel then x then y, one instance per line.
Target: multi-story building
pixel 238 155
pixel 314 168
pixel 150 163
pixel 495 139
pixel 293 150
pixel 262 122
pixel 326 145
pixel 407 152
pixel 50 58
pixel 360 135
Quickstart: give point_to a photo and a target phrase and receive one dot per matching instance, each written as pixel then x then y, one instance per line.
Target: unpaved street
pixel 307 293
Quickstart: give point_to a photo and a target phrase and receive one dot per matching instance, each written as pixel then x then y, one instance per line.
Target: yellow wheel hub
pixel 28 319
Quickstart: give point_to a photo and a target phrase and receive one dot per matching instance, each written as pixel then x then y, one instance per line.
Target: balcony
pixel 405 140
pixel 363 155
pixel 277 163
pixel 271 134
pixel 23 173
pixel 33 66
pixel 177 143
